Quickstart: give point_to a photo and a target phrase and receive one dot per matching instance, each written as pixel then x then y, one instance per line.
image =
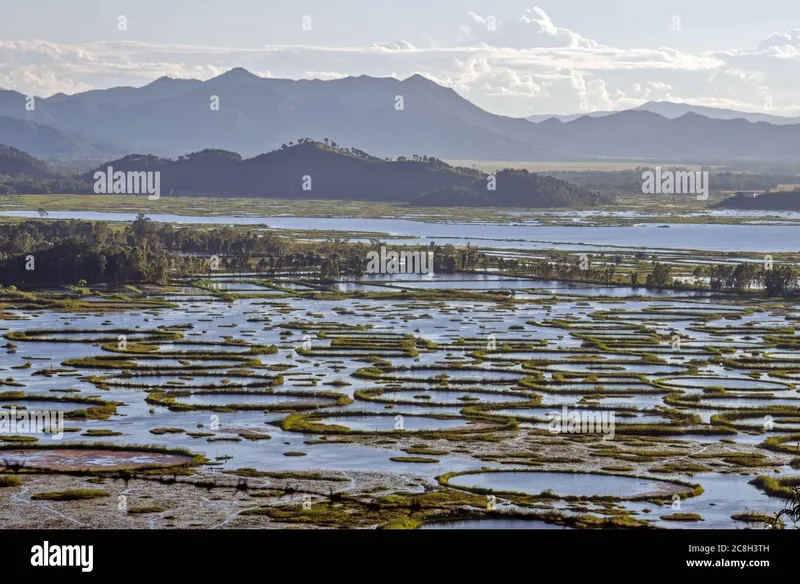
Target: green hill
pixel 314 170
pixel 511 188
pixel 15 162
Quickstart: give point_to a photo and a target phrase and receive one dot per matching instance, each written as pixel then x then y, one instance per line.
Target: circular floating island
pixel 389 423
pixel 569 485
pixel 222 401
pixel 425 396
pixel 491 523
pixel 71 458
pixel 467 375
pixel 726 383
pixel 193 380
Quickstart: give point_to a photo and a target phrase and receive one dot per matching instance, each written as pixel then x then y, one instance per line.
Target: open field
pixel 605 166
pixel 628 210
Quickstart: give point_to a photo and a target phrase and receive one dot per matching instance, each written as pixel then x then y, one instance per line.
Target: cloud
pixel 534 29
pixel 324 75
pixel 511 64
pixel 394 46
pixel 790 39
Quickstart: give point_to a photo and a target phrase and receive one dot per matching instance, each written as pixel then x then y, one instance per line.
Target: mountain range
pixel 672 110
pixel 45 141
pixel 247 114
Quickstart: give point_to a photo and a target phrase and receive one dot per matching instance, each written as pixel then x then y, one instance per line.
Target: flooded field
pixel 535 410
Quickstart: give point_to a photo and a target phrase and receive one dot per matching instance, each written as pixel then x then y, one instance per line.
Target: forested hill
pixel 314 170
pixel 16 162
pixel 779 201
pixel 309 170
pixel 512 188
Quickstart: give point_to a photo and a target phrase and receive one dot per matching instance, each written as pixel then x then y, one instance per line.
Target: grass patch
pixel 10 481
pixel 71 495
pixel 414 459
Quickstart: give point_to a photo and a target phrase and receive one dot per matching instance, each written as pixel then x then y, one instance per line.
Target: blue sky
pixel 514 57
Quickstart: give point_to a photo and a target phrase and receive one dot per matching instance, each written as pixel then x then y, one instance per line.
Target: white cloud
pixel 395 46
pixel 781 40
pixel 324 75
pixel 509 64
pixel 534 29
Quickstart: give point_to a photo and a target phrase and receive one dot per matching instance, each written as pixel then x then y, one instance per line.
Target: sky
pixel 510 57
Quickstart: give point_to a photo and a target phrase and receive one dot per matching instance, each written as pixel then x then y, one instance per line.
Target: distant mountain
pixel 384 116
pixel 779 201
pixel 672 110
pixel 675 110
pixel 16 162
pixel 313 170
pixel 567 117
pixel 47 142
pixel 690 138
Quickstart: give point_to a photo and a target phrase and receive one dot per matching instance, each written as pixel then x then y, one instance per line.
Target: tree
pixel 330 269
pixel 720 276
pixel 660 275
pixel 43 212
pixel 698 276
pixel 743 275
pixel 141 227
pixel 778 280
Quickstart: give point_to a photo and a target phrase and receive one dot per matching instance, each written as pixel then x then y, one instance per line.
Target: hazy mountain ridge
pixel 672 110
pixel 44 141
pixel 385 116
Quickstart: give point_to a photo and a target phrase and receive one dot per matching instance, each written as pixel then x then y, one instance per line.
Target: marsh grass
pixel 71 495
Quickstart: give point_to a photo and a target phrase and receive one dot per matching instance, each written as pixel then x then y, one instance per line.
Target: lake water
pixel 754 238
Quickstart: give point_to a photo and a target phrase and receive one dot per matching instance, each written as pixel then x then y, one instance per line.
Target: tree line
pixel 68 252
pixel 36 253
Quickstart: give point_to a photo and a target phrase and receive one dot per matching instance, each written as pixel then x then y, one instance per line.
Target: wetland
pixel 280 388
